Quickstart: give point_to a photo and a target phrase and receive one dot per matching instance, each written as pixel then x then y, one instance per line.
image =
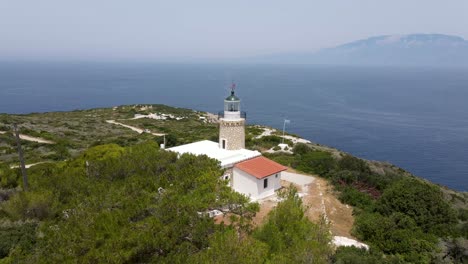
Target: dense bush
pixel 351 196
pixel 285 159
pixel 141 204
pixel 318 162
pixel 16 234
pixel 171 140
pixel 29 205
pixel 422 202
pixel 406 220
pixel 301 149
pixel 8 177
pixel 396 234
pixel 228 248
pixel 398 215
pixel 350 163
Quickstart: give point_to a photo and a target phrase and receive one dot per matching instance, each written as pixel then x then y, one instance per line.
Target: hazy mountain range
pixel 411 50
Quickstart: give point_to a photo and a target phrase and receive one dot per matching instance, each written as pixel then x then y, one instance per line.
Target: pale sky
pixel 210 29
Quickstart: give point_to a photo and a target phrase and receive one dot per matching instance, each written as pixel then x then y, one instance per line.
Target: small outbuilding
pixel 257 178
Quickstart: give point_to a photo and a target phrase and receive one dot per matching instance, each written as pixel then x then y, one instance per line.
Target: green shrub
pixel 171 140
pixel 16 234
pixel 340 177
pixel 301 149
pixel 253 130
pixel 29 205
pixel 318 162
pixel 463 214
pixel 103 152
pixel 421 201
pixel 61 151
pixel 351 196
pixel 352 163
pixel 397 234
pixel 282 158
pixel 8 177
pixel 241 250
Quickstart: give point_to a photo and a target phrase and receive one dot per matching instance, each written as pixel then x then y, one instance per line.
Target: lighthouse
pixel 246 171
pixel 232 123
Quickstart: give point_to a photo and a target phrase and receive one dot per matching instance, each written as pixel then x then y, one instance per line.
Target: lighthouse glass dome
pixel 232 103
pixel 232 107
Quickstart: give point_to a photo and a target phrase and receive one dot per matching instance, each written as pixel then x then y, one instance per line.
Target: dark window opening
pixel 223 143
pixel 265 183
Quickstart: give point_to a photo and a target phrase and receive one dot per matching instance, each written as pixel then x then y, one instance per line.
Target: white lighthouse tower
pixel 232 123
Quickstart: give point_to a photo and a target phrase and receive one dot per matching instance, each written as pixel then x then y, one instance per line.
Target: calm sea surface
pixel 414 118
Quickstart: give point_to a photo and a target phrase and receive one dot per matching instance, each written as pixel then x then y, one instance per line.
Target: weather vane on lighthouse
pixel 233 87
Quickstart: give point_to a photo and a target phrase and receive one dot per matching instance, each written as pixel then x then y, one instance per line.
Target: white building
pixel 249 172
pixel 257 178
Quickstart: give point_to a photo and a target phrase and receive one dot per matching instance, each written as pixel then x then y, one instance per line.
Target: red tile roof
pixel 260 167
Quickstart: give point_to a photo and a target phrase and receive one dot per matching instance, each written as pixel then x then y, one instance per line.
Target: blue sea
pixel 416 118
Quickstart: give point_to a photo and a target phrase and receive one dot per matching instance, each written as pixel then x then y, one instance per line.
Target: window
pixel 276 176
pixel 223 143
pixel 265 183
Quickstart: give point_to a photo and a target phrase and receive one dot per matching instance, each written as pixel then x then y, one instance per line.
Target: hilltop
pixel 104 186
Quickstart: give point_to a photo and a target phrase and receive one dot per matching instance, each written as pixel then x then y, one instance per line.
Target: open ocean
pixel 414 118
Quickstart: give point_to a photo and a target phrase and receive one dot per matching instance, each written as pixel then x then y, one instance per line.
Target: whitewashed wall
pixel 249 185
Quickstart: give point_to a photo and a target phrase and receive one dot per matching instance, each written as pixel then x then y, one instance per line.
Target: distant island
pixel 429 50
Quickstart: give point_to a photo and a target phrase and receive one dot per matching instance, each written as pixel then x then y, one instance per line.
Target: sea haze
pixel 413 117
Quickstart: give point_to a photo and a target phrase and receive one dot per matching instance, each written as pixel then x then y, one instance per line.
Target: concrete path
pixel 299 179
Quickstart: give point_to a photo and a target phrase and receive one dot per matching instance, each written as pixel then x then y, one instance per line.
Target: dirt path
pixel 33 139
pixel 36 139
pixel 136 129
pixel 321 201
pixel 27 166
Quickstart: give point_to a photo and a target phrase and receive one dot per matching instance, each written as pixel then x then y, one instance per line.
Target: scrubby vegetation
pixel 399 215
pixel 140 204
pixel 75 131
pixel 265 142
pixel 109 194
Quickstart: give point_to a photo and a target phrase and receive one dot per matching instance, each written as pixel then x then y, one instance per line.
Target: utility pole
pixel 21 158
